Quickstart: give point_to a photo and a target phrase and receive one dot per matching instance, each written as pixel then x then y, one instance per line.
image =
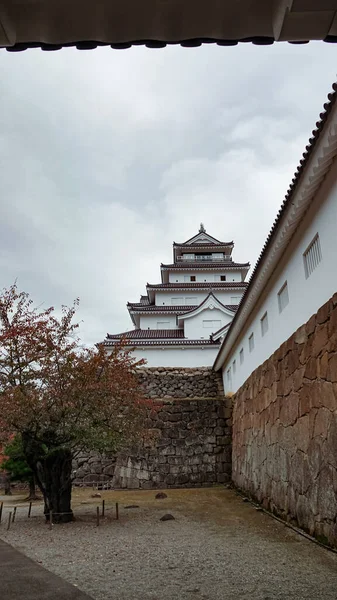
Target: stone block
pixel 322 366
pixel 223 440
pixel 168 451
pixel 332 368
pixel 311 368
pixel 171 479
pixel 301 433
pixel 301 335
pixel 289 409
pixel 320 339
pixel 109 470
pixel 322 422
pixel 182 479
pixel 310 325
pixel 323 313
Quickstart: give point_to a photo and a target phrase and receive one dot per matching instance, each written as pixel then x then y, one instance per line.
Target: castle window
pixel 242 358
pixel 251 342
pixel 312 256
pixel 234 366
pixel 222 277
pixel 264 324
pixel 192 277
pixel 283 297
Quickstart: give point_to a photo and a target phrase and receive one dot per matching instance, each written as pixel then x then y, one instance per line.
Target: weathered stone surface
pixel 284 446
pixel 192 441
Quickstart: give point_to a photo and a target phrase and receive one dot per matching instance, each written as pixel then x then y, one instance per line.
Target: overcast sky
pixel 107 157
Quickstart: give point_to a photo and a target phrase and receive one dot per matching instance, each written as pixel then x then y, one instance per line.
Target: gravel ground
pixel 217 548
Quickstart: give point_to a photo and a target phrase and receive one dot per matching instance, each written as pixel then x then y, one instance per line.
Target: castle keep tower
pixel 182 320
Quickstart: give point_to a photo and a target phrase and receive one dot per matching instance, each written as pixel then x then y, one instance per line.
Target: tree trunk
pixel 8 491
pixel 32 490
pixel 52 470
pixel 57 485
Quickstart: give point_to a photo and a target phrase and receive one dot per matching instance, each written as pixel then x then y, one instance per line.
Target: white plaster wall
pixel 175 277
pixel 194 329
pixel 177 357
pixel 164 298
pixel 150 321
pixel 305 295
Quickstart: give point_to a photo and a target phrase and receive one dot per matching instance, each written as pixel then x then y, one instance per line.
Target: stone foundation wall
pixel 189 436
pixel 285 428
pixel 170 382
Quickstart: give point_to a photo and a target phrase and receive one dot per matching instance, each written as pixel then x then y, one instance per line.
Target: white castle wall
pixel 195 328
pixel 177 357
pixel 306 295
pixel 179 277
pixel 150 321
pixel 226 297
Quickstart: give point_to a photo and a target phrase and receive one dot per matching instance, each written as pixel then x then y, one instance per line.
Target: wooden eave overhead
pixel 54 24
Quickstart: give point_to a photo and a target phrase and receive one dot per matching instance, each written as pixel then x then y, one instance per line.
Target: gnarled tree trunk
pixel 52 470
pixel 32 490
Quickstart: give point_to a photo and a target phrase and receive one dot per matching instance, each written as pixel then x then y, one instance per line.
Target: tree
pixel 16 466
pixel 60 397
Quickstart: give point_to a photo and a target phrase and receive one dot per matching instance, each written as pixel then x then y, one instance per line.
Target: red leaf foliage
pixel 60 392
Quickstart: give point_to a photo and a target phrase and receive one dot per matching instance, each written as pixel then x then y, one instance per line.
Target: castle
pixel 181 321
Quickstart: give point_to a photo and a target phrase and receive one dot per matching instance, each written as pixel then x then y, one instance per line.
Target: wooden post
pixel 97 516
pixel 103 509
pixel 50 519
pixel 1 507
pixel 30 509
pixel 117 513
pixel 9 520
pixel 14 514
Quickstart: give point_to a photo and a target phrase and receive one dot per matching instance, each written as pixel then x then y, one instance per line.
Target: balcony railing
pixel 204 258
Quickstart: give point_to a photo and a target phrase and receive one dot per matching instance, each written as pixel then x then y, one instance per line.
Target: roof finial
pixel 202 228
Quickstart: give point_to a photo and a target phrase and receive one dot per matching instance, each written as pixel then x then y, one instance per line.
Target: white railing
pixel 204 258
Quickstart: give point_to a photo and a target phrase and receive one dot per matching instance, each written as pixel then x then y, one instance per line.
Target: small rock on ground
pixel 132 506
pixel 161 495
pixel 167 517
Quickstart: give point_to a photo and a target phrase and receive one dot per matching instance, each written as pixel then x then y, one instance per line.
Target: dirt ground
pixel 217 548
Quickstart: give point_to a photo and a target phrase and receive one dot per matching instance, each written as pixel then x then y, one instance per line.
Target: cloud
pixel 106 157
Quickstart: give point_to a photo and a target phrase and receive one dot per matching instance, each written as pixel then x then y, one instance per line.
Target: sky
pixel 107 157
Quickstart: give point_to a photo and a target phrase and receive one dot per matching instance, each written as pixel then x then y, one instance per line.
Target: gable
pixel 210 305
pixel 202 238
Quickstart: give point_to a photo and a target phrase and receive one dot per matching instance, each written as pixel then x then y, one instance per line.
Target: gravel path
pixel 217 548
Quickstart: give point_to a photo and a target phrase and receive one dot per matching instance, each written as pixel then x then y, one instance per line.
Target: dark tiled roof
pixel 158 334
pixel 87 25
pixel 204 264
pixel 154 308
pixel 173 309
pixel 291 190
pixel 153 43
pixel 144 300
pixel 203 245
pixel 166 342
pixel 198 284
pixel 201 231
